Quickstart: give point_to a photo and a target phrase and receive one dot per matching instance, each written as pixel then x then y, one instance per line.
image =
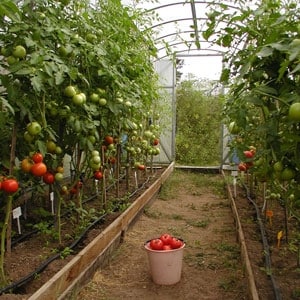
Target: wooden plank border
pixel 85 263
pixel 252 289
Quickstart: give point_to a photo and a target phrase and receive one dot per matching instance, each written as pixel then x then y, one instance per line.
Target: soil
pixel 194 207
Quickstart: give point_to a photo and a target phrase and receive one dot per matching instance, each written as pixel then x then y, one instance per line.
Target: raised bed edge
pixel 83 265
pixel 244 252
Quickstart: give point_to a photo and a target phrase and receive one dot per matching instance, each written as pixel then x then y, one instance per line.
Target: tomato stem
pixel 3 238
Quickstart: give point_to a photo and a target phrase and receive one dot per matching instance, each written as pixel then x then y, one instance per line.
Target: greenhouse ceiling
pixel 177 27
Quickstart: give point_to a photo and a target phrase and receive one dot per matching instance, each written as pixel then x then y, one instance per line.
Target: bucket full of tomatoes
pixel 165 255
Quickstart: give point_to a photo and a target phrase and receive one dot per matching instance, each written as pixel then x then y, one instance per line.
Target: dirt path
pixel 193 207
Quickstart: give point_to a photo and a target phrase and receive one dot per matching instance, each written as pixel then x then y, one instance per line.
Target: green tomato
pixel 12 60
pixel 78 99
pixel 96 159
pixel 59 177
pixel 28 137
pixel 278 166
pixel 287 174
pixel 94 97
pixel 19 52
pixel 102 101
pixel 58 150
pixel 34 128
pixel 294 112
pixel 70 91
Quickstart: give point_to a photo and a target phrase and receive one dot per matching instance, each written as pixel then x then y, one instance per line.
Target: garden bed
pixel 62 274
pixel 273 258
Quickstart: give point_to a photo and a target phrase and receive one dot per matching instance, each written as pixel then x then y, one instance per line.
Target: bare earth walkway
pixel 193 207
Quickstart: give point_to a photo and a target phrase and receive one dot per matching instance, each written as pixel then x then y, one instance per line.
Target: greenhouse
pixel 137 129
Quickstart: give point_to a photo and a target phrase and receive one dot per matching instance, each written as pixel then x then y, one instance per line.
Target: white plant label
pixel 17 213
pixel 52 202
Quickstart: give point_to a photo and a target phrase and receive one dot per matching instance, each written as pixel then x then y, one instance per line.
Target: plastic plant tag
pixel 17 213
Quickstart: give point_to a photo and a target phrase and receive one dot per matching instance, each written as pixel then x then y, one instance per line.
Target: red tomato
pixel 78 184
pixel 73 191
pixel 242 166
pixel 248 153
pixel 37 157
pixel 167 247
pixel 10 186
pixel 155 142
pixel 112 160
pixel 166 238
pixel 109 140
pixel 38 169
pixel 48 178
pixel 156 244
pixel 176 243
pixel 98 175
pixel 141 167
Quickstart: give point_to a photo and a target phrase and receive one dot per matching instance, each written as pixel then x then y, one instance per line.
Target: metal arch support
pixel 172 21
pixel 177 53
pixel 186 42
pixel 197 42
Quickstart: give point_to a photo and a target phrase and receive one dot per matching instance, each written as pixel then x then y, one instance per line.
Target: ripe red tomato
pixel 176 243
pixel 48 178
pixel 166 238
pixel 167 247
pixel 78 184
pixel 98 175
pixel 109 139
pixel 10 185
pixel 38 169
pixel 242 167
pixel 155 142
pixel 248 153
pixel 141 167
pixel 37 157
pixel 73 191
pixel 112 160
pixel 156 244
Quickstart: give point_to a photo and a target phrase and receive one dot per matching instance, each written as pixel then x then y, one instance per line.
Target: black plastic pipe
pixel 268 264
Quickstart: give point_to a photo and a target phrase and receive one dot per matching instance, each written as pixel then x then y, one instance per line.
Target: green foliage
pixel 262 71
pixel 198 118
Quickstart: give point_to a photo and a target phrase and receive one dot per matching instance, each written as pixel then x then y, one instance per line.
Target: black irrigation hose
pixel 21 282
pixel 266 246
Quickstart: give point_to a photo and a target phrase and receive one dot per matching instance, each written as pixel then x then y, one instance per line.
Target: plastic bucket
pixel 165 265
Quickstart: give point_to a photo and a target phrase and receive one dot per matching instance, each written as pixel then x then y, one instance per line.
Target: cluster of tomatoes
pixel 248 159
pixel 35 165
pixel 165 242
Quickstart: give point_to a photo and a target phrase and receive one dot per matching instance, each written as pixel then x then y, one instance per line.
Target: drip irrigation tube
pixel 266 246
pixel 13 287
pixel 21 282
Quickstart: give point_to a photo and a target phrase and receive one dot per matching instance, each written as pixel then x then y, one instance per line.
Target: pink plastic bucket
pixel 165 265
